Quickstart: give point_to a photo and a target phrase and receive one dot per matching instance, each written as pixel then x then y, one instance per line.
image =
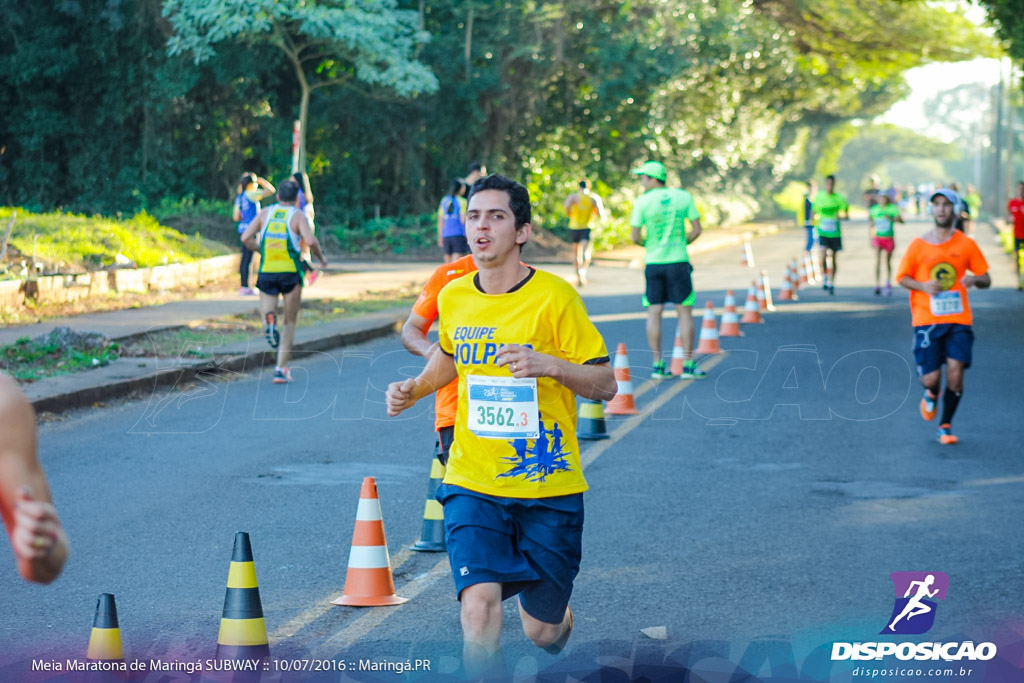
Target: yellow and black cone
pixel 243 632
pixel 591 425
pixel 105 640
pixel 432 534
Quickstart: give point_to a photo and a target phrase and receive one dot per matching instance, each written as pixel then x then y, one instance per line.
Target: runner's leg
pixel 686 331
pixel 292 303
pixel 654 330
pixel 481 628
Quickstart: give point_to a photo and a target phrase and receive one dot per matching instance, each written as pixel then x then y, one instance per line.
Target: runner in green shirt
pixel 829 208
pixel 883 217
pixel 662 212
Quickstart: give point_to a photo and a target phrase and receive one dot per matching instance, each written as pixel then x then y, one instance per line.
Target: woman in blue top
pixel 451 223
pixel 251 190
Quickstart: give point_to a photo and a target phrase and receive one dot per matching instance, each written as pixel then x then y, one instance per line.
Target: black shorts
pixel 581 235
pixel 831 243
pixel 443 445
pixel 1018 243
pixel 456 244
pixel 668 283
pixel 278 283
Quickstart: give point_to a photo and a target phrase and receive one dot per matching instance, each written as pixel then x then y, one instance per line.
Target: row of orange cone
pixel 759 300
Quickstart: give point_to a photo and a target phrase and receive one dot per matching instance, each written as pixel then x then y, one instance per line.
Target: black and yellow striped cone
pixel 243 633
pixel 432 534
pixel 591 426
pixel 105 640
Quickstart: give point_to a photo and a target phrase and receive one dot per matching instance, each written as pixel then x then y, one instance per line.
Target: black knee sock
pixel 950 400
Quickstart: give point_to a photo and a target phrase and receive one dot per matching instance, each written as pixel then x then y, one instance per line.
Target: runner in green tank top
pixel 280 228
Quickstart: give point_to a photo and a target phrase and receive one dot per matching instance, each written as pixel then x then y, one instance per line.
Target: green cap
pixel 654 169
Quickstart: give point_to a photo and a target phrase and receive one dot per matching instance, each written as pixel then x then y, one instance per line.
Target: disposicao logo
pixel 916 592
pixel 913 614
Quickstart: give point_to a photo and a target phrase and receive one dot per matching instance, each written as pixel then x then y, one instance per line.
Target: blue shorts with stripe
pixel 933 344
pixel 531 546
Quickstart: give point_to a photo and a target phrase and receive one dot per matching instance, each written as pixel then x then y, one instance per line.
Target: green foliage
pixel 736 97
pixel 75 242
pixel 27 360
pixel 1008 17
pixel 868 150
pixel 386 236
pixel 791 199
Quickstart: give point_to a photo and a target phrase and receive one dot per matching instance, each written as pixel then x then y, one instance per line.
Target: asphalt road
pixel 756 515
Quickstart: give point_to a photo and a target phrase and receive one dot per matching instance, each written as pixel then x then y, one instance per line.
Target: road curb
pixel 367 328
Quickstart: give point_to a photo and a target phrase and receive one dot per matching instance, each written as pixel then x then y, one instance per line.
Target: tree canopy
pixel 111 107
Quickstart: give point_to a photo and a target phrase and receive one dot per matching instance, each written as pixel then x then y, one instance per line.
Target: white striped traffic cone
pixel 751 309
pixel 369 582
pixel 623 403
pixel 730 319
pixel 709 332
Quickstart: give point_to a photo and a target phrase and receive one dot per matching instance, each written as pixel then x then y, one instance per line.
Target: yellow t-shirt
pixel 546 313
pixel 581 211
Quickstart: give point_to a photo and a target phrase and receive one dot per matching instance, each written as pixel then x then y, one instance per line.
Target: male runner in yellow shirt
pixel 521 344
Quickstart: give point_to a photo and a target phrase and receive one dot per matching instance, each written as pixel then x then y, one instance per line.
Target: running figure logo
pixel 914 612
pixel 545 456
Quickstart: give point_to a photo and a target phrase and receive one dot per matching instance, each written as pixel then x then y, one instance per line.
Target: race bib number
pixel 947 303
pixel 503 407
pixel 829 225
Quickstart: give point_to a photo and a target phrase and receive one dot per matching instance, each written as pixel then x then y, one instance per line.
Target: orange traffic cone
pixel 623 402
pixel 794 276
pixel 730 319
pixel 752 310
pixel 676 367
pixel 709 332
pixel 802 271
pixel 816 268
pixel 369 582
pixel 786 291
pixel 809 267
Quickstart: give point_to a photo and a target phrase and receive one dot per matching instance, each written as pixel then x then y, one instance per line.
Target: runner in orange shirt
pixel 934 269
pixel 414 338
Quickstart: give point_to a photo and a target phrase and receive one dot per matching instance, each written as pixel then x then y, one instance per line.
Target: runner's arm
pixel 37 537
pixel 439 372
pixel 268 189
pixel 301 226
pixel 414 336
pixel 249 236
pixel 930 287
pixel 978 281
pixel 596 381
pixel 695 233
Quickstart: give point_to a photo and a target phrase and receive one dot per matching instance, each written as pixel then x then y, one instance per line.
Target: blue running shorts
pixel 532 546
pixel 933 344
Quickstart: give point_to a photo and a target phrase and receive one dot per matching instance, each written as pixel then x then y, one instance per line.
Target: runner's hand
pixel 522 361
pixel 36 527
pixel 399 396
pixel 932 287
